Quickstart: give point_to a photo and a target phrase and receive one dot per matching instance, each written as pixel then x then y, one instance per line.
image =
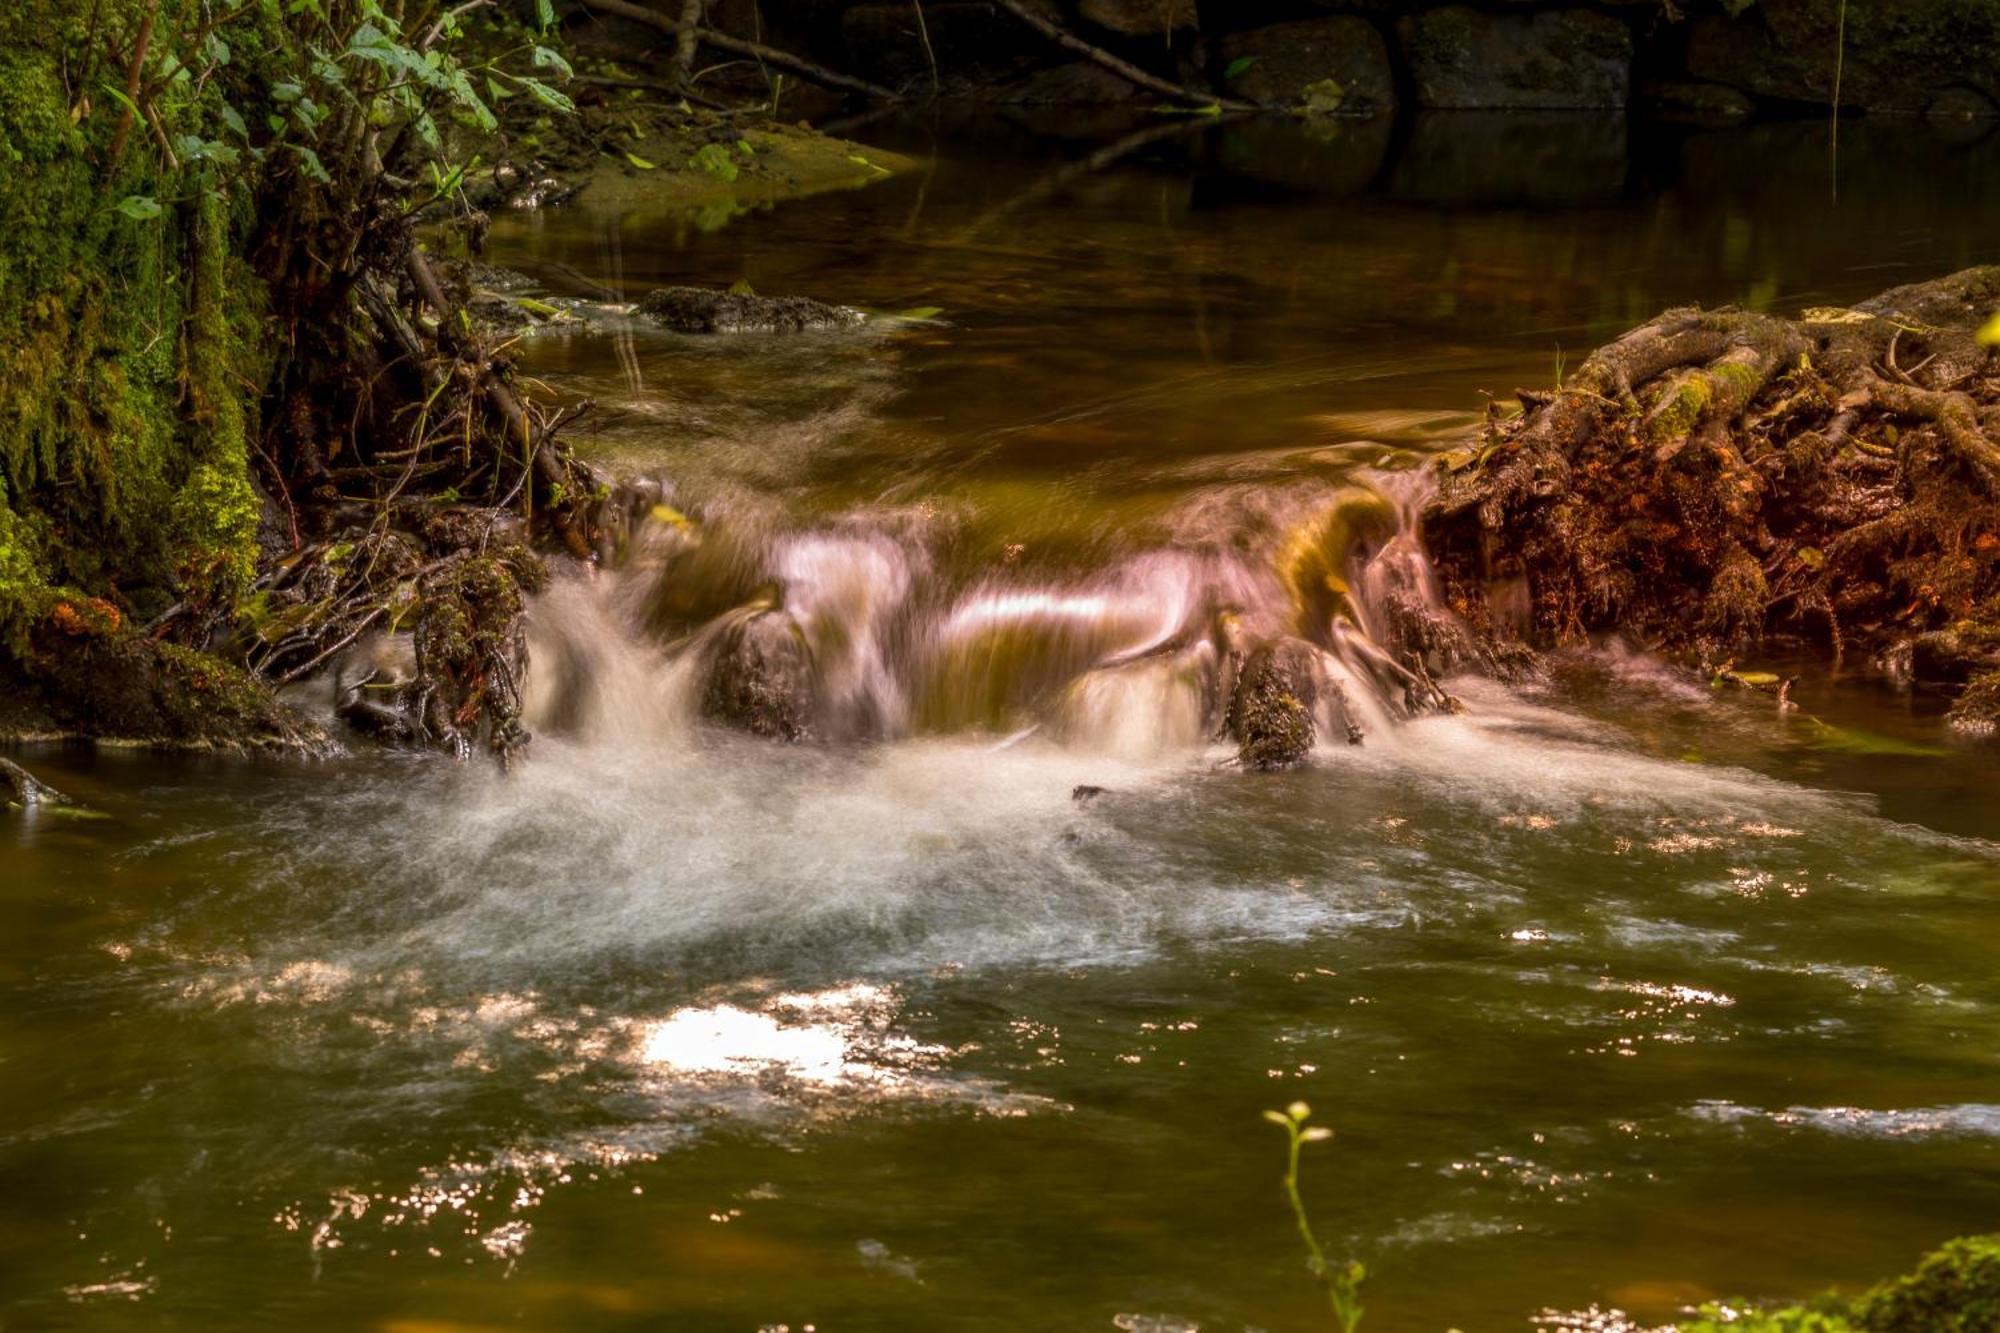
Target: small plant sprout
pixel 1342 1283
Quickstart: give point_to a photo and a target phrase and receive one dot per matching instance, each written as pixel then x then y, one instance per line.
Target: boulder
pixel 1962 104
pixel 1271 707
pixel 1566 59
pixel 1899 54
pixel 705 310
pixel 1703 103
pixel 1326 64
pixel 760 677
pixel 1139 18
pixel 19 787
pixel 975 45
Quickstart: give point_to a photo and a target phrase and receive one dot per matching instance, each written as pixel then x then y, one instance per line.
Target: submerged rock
pixel 705 310
pixel 19 787
pixel 761 678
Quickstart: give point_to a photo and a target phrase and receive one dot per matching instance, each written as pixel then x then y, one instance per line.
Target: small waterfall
pixel 875 626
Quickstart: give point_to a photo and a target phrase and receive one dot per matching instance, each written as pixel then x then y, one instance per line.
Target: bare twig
pixel 135 71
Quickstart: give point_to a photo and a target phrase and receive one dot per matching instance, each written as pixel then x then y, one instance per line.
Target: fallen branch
pixel 722 41
pixel 1124 69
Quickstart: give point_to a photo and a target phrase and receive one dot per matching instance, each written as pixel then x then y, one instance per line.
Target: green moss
pixel 1956 1289
pixel 1679 409
pixel 127 385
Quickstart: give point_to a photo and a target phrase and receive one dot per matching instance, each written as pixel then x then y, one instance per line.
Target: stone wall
pixel 1722 58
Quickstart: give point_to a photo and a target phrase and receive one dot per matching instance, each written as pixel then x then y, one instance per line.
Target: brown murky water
pixel 1619 991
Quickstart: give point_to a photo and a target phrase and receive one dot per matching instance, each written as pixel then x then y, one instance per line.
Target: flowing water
pixel 1621 992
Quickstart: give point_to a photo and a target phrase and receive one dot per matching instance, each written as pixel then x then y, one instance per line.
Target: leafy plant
pixel 715 160
pixel 1342 1282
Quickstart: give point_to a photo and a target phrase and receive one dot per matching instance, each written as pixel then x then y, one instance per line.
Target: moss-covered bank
pixel 128 368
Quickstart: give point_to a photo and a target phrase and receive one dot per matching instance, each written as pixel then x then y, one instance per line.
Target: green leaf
pixel 547 57
pixel 233 118
pixel 314 168
pixel 218 50
pixel 640 162
pixel 746 148
pixel 286 91
pixel 140 207
pixel 1237 66
pixel 545 14
pixel 547 96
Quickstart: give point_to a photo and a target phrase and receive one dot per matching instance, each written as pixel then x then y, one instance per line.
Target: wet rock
pixel 1962 104
pixel 1556 59
pixel 1271 708
pixel 974 45
pixel 1896 55
pixel 1078 83
pixel 1703 103
pixel 761 678
pixel 1139 18
pixel 20 788
pixel 1330 64
pixel 705 310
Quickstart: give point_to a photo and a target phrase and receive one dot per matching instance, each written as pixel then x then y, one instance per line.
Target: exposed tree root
pixel 1717 479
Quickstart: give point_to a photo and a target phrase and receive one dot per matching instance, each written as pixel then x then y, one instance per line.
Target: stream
pixel 1622 992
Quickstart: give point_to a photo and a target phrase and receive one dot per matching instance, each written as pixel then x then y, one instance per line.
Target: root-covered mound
pixel 1715 481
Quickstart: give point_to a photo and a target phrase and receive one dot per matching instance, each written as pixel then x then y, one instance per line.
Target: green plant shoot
pixel 1342 1283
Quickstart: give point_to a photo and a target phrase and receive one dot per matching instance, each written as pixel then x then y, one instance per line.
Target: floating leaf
pixel 140 207
pixel 1989 332
pixel 640 162
pixel 1853 740
pixel 921 312
pixel 1238 65
pixel 742 287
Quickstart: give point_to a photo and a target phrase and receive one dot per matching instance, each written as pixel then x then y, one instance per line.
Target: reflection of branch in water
pixel 612 260
pixel 1054 182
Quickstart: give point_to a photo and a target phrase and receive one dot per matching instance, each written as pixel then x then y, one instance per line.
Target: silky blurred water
pixel 1619 990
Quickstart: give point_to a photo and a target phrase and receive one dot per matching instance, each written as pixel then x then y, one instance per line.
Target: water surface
pixel 1620 990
